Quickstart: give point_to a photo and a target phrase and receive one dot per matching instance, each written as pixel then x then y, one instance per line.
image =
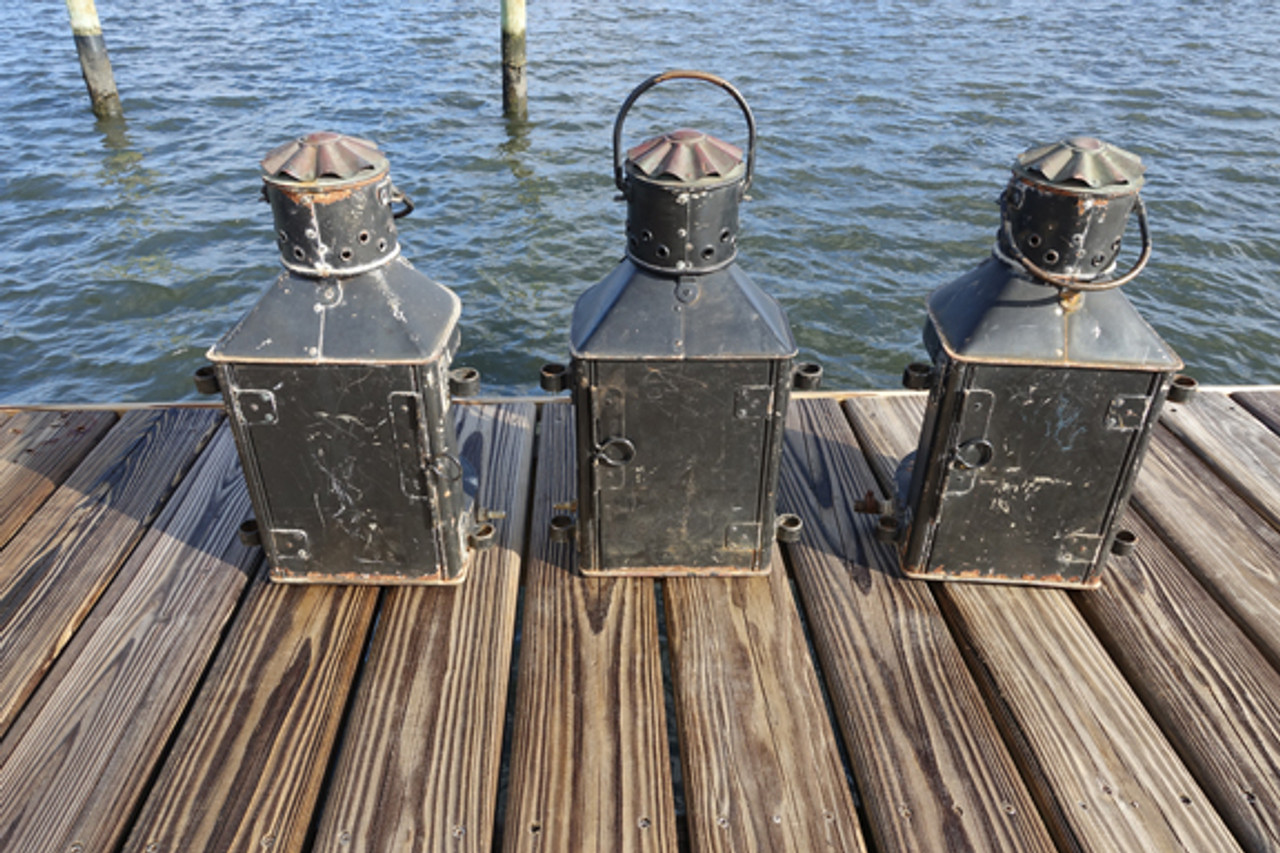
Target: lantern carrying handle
pixel 1068 282
pixel 683 75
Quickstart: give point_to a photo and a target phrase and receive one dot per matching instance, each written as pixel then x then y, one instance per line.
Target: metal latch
pixel 973 450
pixel 612 449
pixel 752 401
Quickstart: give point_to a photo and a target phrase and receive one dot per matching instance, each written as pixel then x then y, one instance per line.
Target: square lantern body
pixel 680 386
pixel 1039 414
pixel 338 395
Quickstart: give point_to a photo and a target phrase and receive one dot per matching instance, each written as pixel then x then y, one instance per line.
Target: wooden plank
pixel 761 765
pixel 421 755
pixel 590 763
pixel 1237 446
pixel 56 567
pixel 931 768
pixel 75 777
pixel 1265 406
pixel 1229 548
pixel 247 766
pixel 1165 632
pixel 37 452
pixel 1102 772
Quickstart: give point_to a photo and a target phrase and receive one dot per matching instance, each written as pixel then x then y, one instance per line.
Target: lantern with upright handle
pixel 1044 385
pixel 681 371
pixel 338 385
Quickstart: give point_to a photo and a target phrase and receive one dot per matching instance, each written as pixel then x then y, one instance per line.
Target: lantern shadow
pixel 825 474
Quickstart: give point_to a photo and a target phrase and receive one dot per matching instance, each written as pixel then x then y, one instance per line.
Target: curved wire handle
pixel 1067 282
pixel 398 196
pixel 683 75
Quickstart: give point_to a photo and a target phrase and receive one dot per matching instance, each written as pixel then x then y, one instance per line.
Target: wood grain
pixel 590 763
pixel 37 452
pixel 1229 548
pixel 246 769
pixel 1238 447
pixel 420 757
pixel 1212 692
pixel 74 778
pixel 761 765
pixel 53 571
pixel 931 768
pixel 1103 774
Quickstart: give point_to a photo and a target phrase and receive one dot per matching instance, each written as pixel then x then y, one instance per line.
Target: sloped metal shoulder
pixel 392 314
pixel 636 314
pixel 997 314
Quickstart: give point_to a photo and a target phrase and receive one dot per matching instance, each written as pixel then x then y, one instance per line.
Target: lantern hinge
pixel 256 407
pixel 1127 413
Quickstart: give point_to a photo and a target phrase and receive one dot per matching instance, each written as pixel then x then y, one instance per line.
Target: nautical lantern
pixel 337 384
pixel 1044 384
pixel 681 371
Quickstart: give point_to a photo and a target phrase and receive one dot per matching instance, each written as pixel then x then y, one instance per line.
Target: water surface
pixel 886 132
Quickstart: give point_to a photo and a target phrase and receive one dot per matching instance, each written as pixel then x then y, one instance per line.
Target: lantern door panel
pixel 335 457
pixel 1036 471
pixel 678 463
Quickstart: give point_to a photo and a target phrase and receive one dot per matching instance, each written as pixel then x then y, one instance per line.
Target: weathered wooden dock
pixel 157 693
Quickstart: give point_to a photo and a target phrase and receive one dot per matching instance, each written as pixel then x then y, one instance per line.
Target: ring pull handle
pixel 615 452
pixel 683 75
pixel 398 197
pixel 446 468
pixel 1067 282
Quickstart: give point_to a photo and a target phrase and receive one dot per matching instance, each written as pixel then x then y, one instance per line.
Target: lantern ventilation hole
pixel 1033 240
pixel 298 253
pixel 1051 256
pixel 346 254
pixel 646 236
pixel 708 253
pixel 363 237
pixel 662 251
pixel 726 235
pixel 382 245
pixel 1099 259
pixel 1115 245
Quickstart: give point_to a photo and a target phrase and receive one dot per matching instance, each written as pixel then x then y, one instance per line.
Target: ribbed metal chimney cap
pixel 1082 163
pixel 323 155
pixel 686 155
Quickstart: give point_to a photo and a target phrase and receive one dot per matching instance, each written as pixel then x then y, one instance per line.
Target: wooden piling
pixel 515 99
pixel 94 62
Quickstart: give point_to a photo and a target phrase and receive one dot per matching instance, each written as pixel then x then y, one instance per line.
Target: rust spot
pixel 322 198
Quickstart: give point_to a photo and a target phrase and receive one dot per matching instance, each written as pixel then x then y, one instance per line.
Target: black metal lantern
pixel 337 384
pixel 681 371
pixel 1044 386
